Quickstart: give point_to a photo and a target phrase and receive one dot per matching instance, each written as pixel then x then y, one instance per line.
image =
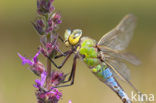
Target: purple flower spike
pixel 46 25
pixel 24 60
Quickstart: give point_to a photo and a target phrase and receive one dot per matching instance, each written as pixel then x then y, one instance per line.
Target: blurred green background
pixel 95 18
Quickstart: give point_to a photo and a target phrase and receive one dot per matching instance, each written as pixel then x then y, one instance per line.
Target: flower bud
pixel 39 25
pixel 56 18
pixel 44 6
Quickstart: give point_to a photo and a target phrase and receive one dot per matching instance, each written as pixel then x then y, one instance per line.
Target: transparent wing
pixel 119 55
pixel 119 37
pixel 126 56
pixel 121 71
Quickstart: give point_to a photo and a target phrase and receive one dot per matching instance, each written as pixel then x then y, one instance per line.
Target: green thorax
pixel 89 50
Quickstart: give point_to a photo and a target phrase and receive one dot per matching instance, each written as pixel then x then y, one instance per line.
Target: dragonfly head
pixel 72 38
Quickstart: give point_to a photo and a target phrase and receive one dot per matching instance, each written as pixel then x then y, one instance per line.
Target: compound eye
pixel 77 34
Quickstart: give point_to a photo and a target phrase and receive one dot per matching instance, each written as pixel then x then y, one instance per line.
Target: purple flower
pixel 24 60
pixel 57 78
pixel 50 26
pixel 40 83
pixel 53 21
pixel 30 62
pixel 50 48
pixel 56 18
pixel 35 57
pixel 35 66
pixel 55 93
pixel 52 96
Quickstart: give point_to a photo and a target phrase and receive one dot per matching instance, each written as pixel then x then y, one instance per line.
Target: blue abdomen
pixel 105 75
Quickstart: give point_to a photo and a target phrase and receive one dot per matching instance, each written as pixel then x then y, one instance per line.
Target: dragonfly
pixel 105 58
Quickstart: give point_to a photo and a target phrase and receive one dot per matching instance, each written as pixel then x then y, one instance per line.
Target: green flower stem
pixel 48 61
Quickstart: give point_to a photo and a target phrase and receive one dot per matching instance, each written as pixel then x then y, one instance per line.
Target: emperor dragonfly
pixel 104 58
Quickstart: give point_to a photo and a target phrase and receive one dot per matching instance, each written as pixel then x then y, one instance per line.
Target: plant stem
pixel 49 73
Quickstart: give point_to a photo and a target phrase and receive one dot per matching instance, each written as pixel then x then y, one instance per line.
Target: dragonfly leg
pixel 60 38
pixel 72 75
pixel 64 61
pixel 62 54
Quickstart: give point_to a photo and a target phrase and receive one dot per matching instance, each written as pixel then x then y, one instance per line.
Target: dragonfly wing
pixel 119 69
pixel 106 51
pixel 123 73
pixel 119 37
pixel 126 56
